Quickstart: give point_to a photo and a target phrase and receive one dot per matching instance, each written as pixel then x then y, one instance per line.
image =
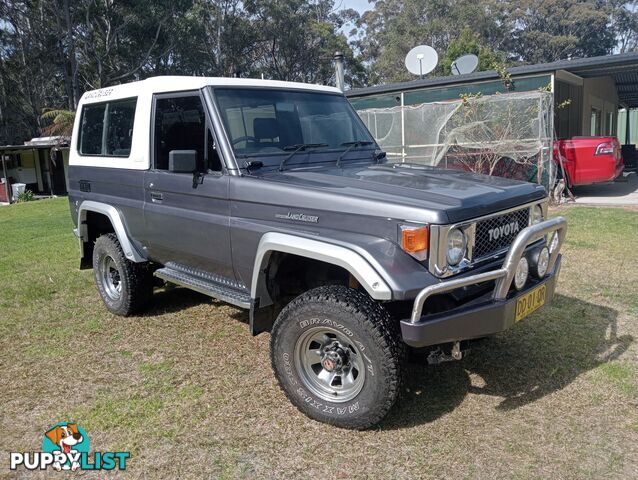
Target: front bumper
pixel 485 316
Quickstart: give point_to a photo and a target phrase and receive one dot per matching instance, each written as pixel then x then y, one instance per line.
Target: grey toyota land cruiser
pixel 274 197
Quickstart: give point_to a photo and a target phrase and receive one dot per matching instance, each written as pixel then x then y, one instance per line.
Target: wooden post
pixel 48 165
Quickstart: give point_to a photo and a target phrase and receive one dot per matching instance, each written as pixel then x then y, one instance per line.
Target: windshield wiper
pixel 299 147
pixel 351 145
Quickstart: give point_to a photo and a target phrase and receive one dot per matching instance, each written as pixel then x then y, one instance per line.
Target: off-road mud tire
pixel 135 279
pixel 361 321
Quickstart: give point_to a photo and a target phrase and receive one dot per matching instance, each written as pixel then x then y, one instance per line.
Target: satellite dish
pixel 464 64
pixel 421 60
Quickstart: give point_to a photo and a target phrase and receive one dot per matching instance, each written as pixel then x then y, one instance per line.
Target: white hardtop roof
pixel 166 84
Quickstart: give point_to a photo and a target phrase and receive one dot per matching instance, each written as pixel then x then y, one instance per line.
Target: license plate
pixel 530 302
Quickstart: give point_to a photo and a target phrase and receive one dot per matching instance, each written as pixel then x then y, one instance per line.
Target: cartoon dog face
pixel 65 436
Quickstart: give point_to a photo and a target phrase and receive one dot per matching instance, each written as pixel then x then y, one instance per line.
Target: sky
pixel 358 5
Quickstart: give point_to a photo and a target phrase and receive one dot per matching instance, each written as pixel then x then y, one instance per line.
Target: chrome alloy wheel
pixel 329 364
pixel 110 278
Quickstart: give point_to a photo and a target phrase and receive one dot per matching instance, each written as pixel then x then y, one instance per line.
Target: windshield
pixel 268 123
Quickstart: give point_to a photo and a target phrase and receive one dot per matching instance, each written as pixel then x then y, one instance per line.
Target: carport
pixel 601 78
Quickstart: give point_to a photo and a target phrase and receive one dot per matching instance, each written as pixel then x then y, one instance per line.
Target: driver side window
pixel 180 124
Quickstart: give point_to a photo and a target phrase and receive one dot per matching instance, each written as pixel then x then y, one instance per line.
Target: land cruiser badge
pixel 300 217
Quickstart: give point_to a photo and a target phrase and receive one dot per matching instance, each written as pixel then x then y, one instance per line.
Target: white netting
pixel 508 135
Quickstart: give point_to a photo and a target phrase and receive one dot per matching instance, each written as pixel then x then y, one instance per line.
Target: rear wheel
pixel 338 357
pixel 125 287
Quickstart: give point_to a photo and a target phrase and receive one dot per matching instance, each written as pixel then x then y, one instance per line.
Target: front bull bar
pixel 505 274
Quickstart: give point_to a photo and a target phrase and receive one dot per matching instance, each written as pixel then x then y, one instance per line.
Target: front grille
pixel 503 228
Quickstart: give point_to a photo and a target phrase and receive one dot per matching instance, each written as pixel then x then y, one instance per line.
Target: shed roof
pixel 622 67
pixel 55 141
pixel 18 148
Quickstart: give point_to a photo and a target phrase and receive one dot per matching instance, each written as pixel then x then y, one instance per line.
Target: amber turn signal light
pixel 414 240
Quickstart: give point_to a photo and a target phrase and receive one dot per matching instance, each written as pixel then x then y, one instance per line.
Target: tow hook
pixel 439 355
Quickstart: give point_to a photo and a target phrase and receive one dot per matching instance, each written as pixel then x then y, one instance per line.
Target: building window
pixel 12 161
pixel 595 122
pixel 609 124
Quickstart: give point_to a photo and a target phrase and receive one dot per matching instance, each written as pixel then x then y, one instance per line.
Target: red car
pixel 588 160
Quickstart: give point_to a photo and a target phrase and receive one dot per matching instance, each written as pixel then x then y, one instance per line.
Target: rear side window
pixel 91 129
pixel 106 129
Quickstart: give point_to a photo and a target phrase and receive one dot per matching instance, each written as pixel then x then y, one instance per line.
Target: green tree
pixel 625 22
pixel 121 41
pixel 58 122
pixel 51 51
pixel 30 67
pixel 468 42
pixel 520 31
pixel 297 40
pixel 549 30
pixel 395 26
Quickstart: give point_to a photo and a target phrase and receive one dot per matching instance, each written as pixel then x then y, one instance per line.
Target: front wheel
pixel 338 357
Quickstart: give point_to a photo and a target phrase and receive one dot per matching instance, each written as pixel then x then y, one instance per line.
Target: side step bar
pixel 202 282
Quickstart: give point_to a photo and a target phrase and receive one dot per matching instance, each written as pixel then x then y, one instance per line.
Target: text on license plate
pixel 530 302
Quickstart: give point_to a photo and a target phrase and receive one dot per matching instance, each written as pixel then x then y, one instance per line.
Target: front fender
pixel 317 249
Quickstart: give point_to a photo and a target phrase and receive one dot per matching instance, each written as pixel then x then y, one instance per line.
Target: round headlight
pixel 537 214
pixel 540 262
pixel 456 243
pixel 522 271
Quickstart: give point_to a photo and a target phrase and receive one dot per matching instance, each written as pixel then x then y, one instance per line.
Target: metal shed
pixel 597 87
pixel 41 164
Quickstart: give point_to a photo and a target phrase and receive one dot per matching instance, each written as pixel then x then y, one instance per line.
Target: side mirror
pixel 378 156
pixel 182 161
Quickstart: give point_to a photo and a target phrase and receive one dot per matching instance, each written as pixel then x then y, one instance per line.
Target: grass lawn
pixel 190 393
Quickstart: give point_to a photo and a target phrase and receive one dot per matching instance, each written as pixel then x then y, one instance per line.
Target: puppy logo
pixel 68 439
pixel 66 446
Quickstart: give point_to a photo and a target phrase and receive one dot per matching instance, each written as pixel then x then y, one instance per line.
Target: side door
pixel 186 214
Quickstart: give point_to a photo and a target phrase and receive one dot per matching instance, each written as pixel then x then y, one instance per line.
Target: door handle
pixel 157 196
